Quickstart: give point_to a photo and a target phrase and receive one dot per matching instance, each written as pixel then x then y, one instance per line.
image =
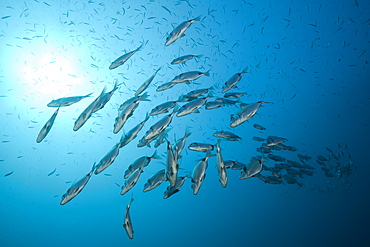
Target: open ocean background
pixel 309 58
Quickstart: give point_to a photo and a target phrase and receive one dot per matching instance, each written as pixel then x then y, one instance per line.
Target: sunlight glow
pixel 50 75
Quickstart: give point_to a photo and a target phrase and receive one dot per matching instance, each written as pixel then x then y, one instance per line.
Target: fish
pixel 171 166
pixel 164 107
pixel 227 135
pixel 156 129
pixel 51 173
pixel 244 114
pixel 214 104
pixel 86 114
pixel 274 140
pixel 199 173
pixel 66 101
pixel 184 58
pixel 131 181
pixel 8 174
pixel 189 76
pixel 77 187
pixel 192 106
pixel 179 31
pixel 127 221
pixel 143 97
pixel 258 139
pixel 238 165
pixel 146 84
pixel 259 127
pixel 122 59
pixel 124 115
pixel 140 162
pixel 231 83
pixel 201 147
pixel 132 134
pixel 47 127
pixel 180 143
pixel 195 94
pixel 165 86
pixel 108 159
pixel 155 180
pixel 170 190
pixel 161 138
pixel 233 95
pixel 252 168
pixel 227 101
pixel 220 165
pixel 103 100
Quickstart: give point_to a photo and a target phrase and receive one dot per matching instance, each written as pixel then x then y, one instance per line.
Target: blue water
pixel 308 58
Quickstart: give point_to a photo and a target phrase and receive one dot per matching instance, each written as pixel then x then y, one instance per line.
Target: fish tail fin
pixel 88 95
pixel 144 97
pixel 175 109
pixel 187 132
pixel 123 137
pixel 199 56
pixel 155 155
pixel 197 18
pixel 209 154
pixel 93 167
pixel 146 117
pixel 207 72
pixel 245 70
pixel 158 70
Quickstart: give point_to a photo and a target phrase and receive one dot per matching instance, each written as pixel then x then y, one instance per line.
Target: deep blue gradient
pixel 310 59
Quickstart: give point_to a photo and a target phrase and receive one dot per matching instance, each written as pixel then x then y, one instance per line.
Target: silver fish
pixel 180 144
pixel 185 58
pixel 156 129
pixel 47 127
pixel 140 162
pixel 233 95
pixel 155 180
pixel 161 138
pixel 227 101
pixel 165 86
pixel 227 135
pixel 143 97
pixel 131 181
pixel 213 105
pixel 66 101
pixel 164 107
pixel 275 140
pixel 108 159
pixel 146 84
pixel 244 114
pixel 171 167
pixel 132 134
pixel 122 59
pixel 201 147
pixel 189 76
pixel 103 100
pixel 231 83
pixel 196 93
pixel 124 115
pixel 252 168
pixel 199 173
pixel 173 190
pixel 86 114
pixel 192 106
pixel 179 31
pixel 221 166
pixel 76 188
pixel 127 221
